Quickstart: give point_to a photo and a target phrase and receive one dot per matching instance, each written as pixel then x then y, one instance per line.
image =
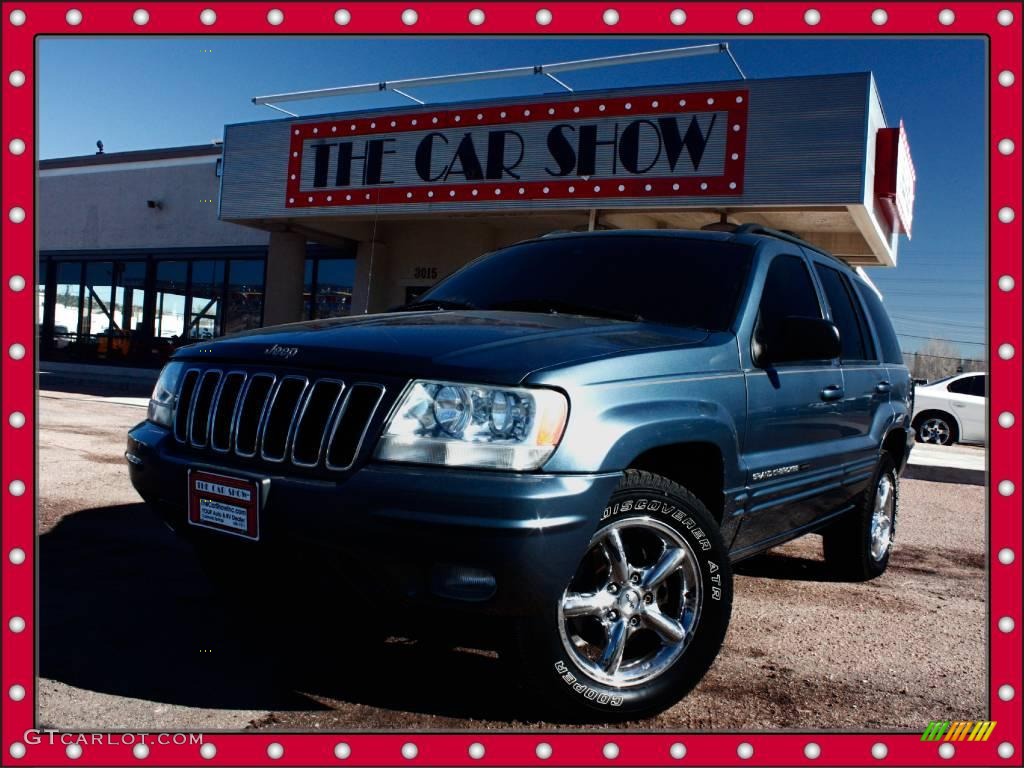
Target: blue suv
pixel 568 441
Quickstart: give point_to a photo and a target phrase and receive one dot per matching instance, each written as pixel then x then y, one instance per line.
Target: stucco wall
pixel 98 208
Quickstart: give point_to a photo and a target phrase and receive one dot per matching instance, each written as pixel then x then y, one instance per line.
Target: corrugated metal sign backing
pixel 793 141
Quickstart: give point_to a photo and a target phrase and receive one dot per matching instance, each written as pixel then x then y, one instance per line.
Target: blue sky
pixel 138 93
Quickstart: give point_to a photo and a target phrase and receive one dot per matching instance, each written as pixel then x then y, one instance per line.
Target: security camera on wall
pixel 153 204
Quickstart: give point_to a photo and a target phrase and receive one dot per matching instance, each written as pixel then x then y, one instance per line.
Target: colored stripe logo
pixel 958 730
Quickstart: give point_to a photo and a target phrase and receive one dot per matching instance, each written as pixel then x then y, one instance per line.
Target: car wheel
pixel 936 428
pixel 645 614
pixel 857 547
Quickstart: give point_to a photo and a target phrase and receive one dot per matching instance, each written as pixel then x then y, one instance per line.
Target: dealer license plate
pixel 224 503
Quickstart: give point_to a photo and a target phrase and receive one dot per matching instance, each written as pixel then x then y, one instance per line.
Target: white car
pixel 951 410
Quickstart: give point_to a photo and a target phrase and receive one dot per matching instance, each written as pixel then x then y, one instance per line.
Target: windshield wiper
pixel 439 304
pixel 567 308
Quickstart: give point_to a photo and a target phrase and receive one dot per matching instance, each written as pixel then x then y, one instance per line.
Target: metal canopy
pixel 548 70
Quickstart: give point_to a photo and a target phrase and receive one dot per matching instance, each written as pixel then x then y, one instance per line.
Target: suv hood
pixel 488 347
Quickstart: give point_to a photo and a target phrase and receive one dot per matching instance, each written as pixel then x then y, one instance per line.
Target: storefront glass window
pixel 67 300
pixel 98 315
pixel 334 287
pixel 171 279
pixel 207 299
pixel 245 295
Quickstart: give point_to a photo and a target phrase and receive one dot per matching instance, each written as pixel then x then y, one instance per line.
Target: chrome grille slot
pixel 184 404
pixel 199 420
pixel 224 411
pixel 311 431
pixel 280 418
pixel 351 424
pixel 250 413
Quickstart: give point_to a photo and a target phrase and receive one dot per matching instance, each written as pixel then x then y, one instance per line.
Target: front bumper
pixel 410 527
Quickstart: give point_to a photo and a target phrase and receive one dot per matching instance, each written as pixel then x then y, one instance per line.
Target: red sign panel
pixel 633 146
pixel 895 179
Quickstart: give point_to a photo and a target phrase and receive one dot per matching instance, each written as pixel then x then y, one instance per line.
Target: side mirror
pixel 798 339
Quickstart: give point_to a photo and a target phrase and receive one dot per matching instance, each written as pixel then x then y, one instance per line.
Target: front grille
pixel 311 423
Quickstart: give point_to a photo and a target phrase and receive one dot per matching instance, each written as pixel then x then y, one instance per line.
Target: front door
pixel 794 436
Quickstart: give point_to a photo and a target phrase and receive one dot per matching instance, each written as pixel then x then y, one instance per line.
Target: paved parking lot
pixel 130 637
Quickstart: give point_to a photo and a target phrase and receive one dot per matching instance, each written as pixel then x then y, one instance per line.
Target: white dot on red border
pixel 16 351
pixel 610 750
pixel 410 17
pixel 16 283
pixel 275 16
pixel 16 624
pixel 946 751
pixel 16 419
pixel 677 751
pixel 275 751
pixel 16 214
pixel 1006 625
pixel 677 17
pixel 1006 487
pixel 73 17
pixel 16 147
pixel 476 750
pixel 1006 215
pixel 17 17
pixel 1006 351
pixel 342 17
pixel 544 17
pixel 543 750
pixel 879 751
pixel 16 692
pixel 17 750
pixel 1006 692
pixel 745 17
pixel 16 556
pixel 141 751
pixel 812 17
pixel 1006 556
pixel 141 17
pixel 73 751
pixel 1006 419
pixel 879 17
pixel 1005 17
pixel 342 751
pixel 1005 750
pixel 946 17
pixel 208 751
pixel 17 488
pixel 745 751
pixel 610 17
pixel 16 78
pixel 1006 146
pixel 477 17
pixel 1006 78
pixel 812 751
pixel 410 750
pixel 208 16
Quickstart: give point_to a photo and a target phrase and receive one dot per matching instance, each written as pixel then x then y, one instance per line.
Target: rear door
pixel 794 437
pixel 865 414
pixel 967 399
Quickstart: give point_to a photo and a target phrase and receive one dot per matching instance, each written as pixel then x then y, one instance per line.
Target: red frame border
pixel 730 182
pixel 451 18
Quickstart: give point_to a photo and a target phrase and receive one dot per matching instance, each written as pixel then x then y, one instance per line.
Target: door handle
pixel 958 405
pixel 834 392
pixel 883 387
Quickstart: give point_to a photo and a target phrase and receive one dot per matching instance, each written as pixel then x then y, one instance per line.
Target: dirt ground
pixel 130 637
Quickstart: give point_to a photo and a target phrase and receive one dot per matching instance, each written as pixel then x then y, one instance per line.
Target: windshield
pixel 673 280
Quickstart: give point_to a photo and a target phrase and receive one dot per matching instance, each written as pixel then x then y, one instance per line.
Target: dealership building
pixel 326 216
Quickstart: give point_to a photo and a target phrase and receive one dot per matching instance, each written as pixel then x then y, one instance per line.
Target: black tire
pixel 943 422
pixel 542 653
pixel 848 542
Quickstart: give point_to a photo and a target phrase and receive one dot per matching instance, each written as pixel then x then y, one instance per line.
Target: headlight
pixel 474 426
pixel 161 404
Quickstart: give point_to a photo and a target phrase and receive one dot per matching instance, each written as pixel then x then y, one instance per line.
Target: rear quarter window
pixel 890 345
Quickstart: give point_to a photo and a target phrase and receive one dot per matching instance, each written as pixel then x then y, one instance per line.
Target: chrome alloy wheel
pixel 882 517
pixel 935 431
pixel 633 605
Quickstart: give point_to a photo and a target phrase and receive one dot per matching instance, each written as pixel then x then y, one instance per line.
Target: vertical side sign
pixel 895 179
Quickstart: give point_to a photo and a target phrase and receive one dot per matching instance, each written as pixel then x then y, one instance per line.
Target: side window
pixel 853 332
pixel 891 352
pixel 964 386
pixel 788 292
pixel 978 386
